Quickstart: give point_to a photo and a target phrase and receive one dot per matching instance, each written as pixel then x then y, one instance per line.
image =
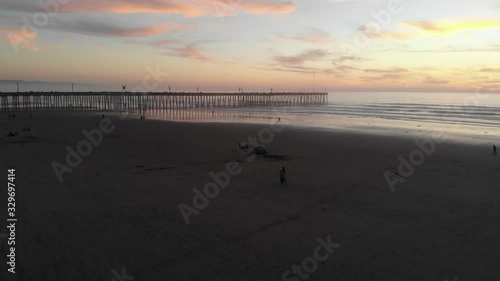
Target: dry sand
pixel 119 208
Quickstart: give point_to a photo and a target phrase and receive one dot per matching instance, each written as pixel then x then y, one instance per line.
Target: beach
pixel 119 207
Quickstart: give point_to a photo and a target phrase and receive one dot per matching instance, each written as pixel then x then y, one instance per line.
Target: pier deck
pixel 128 101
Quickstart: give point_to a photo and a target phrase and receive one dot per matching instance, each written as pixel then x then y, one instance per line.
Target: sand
pixel 120 207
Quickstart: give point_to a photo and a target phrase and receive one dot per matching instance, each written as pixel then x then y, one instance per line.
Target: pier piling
pixel 127 101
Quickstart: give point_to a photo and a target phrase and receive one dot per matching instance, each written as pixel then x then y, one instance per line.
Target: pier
pixel 132 102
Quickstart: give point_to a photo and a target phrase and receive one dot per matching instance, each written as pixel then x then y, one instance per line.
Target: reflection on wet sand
pixel 205 115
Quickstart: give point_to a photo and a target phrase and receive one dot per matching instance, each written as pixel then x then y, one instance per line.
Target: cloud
pixel 390 70
pixel 20 39
pixel 344 63
pixel 381 78
pixel 292 69
pixel 392 35
pixel 422 29
pixel 489 69
pixel 97 26
pixel 264 7
pixel 178 48
pixel 188 8
pixel 308 55
pixel 375 32
pixel 345 68
pixel 190 51
pixel 297 69
pixel 297 63
pixel 109 6
pixel 452 49
pixel 445 28
pixel 431 80
pixel 101 29
pixel 312 36
pixel 344 59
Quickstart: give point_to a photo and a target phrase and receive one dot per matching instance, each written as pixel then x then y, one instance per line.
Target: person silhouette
pixel 494 150
pixel 282 175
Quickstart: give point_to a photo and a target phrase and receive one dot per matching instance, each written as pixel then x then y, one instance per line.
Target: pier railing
pixel 127 101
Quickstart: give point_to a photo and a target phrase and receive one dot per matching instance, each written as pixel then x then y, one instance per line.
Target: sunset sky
pixel 372 45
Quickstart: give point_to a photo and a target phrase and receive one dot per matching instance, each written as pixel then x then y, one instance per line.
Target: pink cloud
pixel 188 8
pixel 106 30
pixel 131 6
pixel 191 52
pixel 265 7
pixel 20 39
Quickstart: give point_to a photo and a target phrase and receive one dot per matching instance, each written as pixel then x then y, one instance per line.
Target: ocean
pixel 467 115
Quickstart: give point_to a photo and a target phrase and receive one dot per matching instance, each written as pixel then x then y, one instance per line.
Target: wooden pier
pixel 132 102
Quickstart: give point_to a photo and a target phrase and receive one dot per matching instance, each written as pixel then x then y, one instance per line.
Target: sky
pixel 224 45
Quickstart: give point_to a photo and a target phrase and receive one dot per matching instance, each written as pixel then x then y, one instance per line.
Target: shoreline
pixel 452 137
pixel 366 126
